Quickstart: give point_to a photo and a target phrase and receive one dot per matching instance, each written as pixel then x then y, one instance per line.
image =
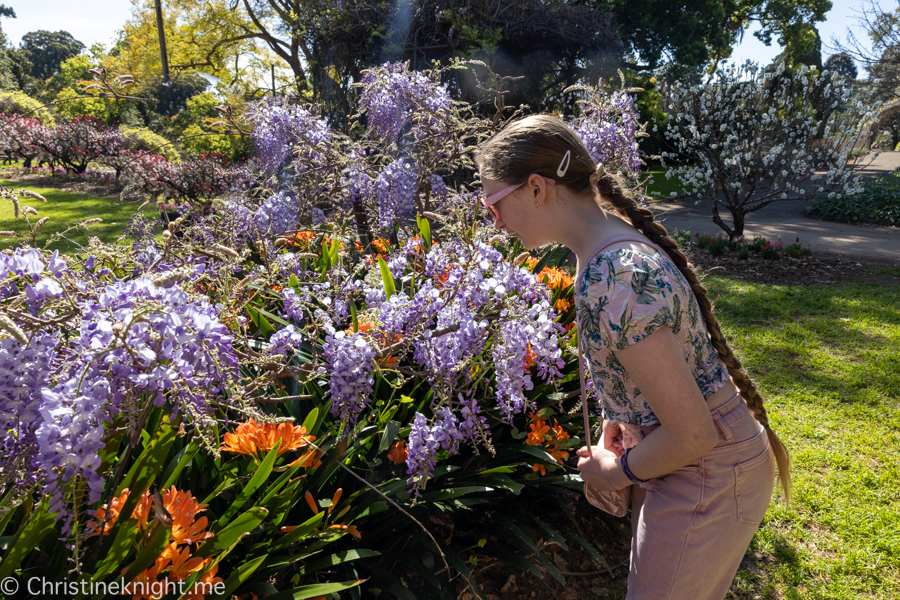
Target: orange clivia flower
pixel 207 581
pixel 559 434
pixel 562 305
pixel 251 438
pixel 539 468
pixel 310 459
pixel 351 529
pixel 398 452
pixel 539 429
pixel 182 564
pixel 559 455
pixel 381 245
pixel 141 512
pixel 555 279
pixel 530 358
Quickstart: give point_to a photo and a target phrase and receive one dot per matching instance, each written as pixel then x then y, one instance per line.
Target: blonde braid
pixel 610 189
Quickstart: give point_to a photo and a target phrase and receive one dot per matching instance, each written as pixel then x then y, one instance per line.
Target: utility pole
pixel 162 41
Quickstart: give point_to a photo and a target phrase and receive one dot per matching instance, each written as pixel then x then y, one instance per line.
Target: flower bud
pixel 30 194
pixel 7 324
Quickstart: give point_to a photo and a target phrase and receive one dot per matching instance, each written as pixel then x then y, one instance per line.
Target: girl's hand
pixel 601 469
pixel 612 438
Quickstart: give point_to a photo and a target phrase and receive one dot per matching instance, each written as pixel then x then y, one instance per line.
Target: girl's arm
pixel 657 367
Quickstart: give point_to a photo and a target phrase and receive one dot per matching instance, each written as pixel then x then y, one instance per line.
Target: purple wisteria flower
pixel 608 127
pixel 392 94
pixel 285 341
pixel 350 360
pixel 280 129
pixel 396 188
pixel 277 215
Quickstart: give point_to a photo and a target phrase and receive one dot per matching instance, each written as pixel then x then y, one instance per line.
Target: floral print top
pixel 621 297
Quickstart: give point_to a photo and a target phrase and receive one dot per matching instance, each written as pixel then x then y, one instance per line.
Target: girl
pixel 704 473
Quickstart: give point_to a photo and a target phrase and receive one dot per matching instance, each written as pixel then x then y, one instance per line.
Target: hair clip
pixel 561 170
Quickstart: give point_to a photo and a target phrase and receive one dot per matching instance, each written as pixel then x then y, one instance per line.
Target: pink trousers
pixel 692 527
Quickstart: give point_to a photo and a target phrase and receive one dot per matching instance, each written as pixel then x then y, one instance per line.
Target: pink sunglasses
pixel 491 200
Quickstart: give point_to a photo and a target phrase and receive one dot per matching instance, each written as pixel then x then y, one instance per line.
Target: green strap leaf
pixel 119 551
pixel 172 473
pixel 39 526
pixel 386 278
pixel 240 575
pixel 260 321
pixel 311 591
pixel 425 231
pixel 297 534
pixel 148 555
pixel 259 477
pixel 336 559
pixel 231 534
pixel 310 421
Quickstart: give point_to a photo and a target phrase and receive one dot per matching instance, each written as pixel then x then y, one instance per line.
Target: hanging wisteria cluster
pixel 129 344
pixel 467 298
pixel 319 267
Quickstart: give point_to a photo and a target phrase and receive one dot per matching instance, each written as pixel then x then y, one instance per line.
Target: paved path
pixel 788 220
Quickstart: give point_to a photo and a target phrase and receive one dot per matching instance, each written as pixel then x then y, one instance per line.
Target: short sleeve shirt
pixel 621 297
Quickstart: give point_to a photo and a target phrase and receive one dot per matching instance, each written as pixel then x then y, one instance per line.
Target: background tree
pixel 882 62
pixel 7 79
pixel 46 51
pixel 842 64
pixel 751 136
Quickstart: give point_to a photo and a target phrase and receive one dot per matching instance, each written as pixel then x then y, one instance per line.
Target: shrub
pixel 196 179
pixel 878 201
pixel 19 103
pixel 757 244
pixel 796 250
pixel 743 252
pixel 771 250
pixel 20 137
pixel 703 240
pixel 718 245
pixel 682 237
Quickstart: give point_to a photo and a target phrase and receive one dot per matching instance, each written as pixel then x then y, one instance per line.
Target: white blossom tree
pixel 752 136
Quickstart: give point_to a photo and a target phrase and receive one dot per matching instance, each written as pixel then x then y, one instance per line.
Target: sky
pixel 98 20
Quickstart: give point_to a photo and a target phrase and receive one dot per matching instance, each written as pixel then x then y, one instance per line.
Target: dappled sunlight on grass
pixel 827 359
pixel 65 209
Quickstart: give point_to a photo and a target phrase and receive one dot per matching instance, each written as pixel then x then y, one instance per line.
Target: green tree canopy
pixel 843 64
pixel 46 51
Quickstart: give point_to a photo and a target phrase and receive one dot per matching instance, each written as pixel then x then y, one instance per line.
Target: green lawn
pixel 66 209
pixel 828 361
pixel 660 187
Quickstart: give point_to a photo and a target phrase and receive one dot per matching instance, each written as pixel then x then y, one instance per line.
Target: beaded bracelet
pixel 624 463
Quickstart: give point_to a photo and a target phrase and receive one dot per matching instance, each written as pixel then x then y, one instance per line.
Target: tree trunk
pixel 362 225
pixel 162 41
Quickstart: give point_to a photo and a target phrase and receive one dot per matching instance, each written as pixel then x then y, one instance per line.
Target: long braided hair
pixel 535 144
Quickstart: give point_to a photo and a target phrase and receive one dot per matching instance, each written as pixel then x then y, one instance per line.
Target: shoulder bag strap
pixel 584 400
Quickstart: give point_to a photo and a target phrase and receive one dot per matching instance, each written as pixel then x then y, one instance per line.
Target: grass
pixel 659 187
pixel 827 359
pixel 66 209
